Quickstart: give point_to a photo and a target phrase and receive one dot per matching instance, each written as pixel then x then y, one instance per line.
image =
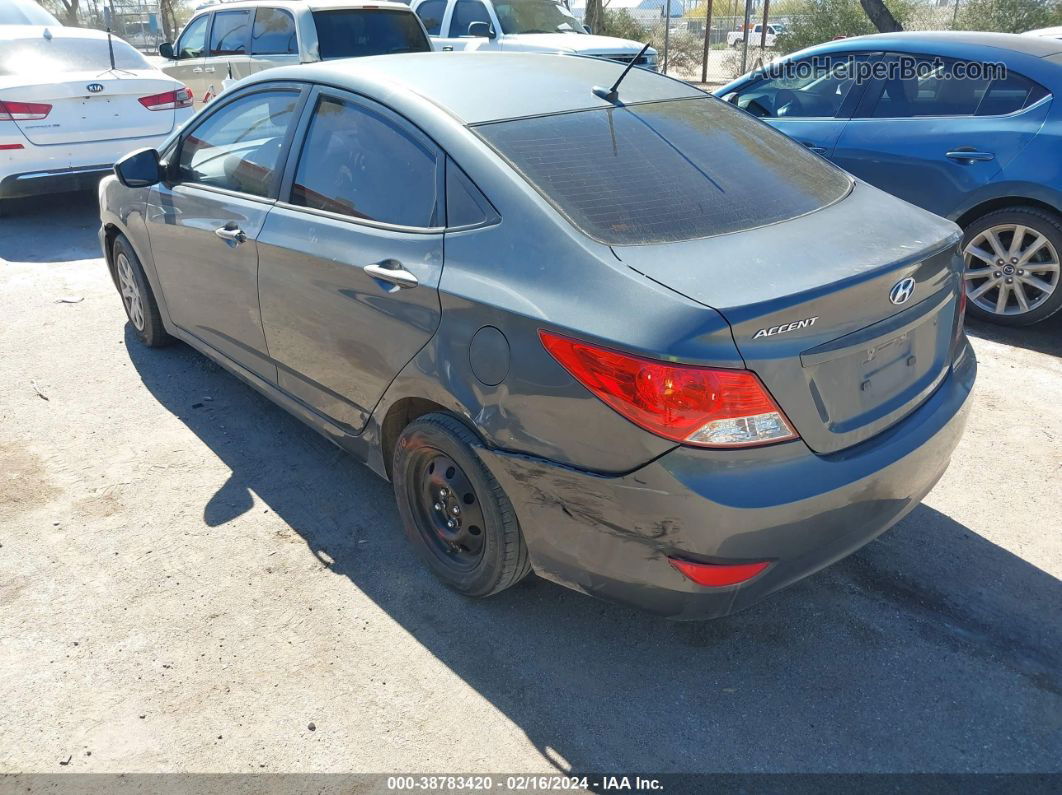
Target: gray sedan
pixel 625 336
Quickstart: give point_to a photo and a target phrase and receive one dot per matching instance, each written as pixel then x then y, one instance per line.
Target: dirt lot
pixel 189 579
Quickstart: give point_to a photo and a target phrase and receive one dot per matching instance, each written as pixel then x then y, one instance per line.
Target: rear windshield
pixel 41 56
pixel 350 33
pixel 664 171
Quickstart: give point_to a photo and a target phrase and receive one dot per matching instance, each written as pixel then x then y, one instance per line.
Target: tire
pixel 137 299
pixel 994 281
pixel 483 552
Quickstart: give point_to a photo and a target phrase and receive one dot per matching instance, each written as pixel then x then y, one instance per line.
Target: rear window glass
pixel 52 56
pixel 350 33
pixel 666 171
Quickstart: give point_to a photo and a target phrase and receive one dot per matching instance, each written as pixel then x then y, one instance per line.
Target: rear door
pixel 811 99
pixel 204 221
pixel 352 255
pixel 931 136
pixel 230 36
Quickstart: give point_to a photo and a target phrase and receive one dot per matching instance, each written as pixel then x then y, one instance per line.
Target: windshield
pixel 659 172
pixel 536 16
pixel 37 57
pixel 350 33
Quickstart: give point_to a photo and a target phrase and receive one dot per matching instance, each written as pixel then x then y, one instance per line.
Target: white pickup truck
pixel 520 26
pixel 735 37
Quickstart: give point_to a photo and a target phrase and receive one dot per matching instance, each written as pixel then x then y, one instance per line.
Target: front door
pixel 205 220
pixel 351 257
pixel 189 52
pixel 931 136
pixel 461 15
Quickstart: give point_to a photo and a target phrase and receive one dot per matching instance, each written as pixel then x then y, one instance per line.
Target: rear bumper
pixel 611 536
pixel 35 183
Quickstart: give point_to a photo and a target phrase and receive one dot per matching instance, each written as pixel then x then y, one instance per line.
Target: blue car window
pixel 1010 95
pixel 665 171
pixel 817 88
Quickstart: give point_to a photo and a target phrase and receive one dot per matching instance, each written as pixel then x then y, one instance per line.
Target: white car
pixel 520 26
pixel 1045 33
pixel 24 12
pixel 72 103
pixel 736 38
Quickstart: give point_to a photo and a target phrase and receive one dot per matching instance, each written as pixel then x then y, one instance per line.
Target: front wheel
pixel 1012 266
pixel 137 299
pixel 453 511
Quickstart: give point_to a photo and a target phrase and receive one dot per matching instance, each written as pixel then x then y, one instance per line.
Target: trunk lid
pixel 808 301
pixel 109 110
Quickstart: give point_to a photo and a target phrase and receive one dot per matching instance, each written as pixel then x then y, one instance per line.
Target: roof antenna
pixel 108 13
pixel 612 94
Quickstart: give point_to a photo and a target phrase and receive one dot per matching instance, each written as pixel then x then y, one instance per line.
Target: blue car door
pixel 809 99
pixel 930 134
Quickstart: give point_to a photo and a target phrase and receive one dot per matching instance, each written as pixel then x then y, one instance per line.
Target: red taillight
pixel 181 98
pixel 23 111
pixel 694 405
pixel 4 147
pixel 718 574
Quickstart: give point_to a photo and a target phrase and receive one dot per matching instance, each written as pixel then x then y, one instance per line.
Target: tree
pixel 880 16
pixel 594 17
pixel 1009 16
pixel 70 9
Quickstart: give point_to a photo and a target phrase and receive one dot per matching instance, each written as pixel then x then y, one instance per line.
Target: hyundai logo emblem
pixel 902 290
pixel 94 88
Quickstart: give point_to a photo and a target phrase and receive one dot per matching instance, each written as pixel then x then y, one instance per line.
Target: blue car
pixel 963 124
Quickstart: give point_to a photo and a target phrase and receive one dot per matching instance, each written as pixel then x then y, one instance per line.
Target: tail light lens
pixel 718 574
pixel 694 405
pixel 23 111
pixel 170 100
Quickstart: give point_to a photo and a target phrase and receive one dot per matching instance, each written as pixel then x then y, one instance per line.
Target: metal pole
pixel 707 42
pixel 763 27
pixel 745 38
pixel 667 30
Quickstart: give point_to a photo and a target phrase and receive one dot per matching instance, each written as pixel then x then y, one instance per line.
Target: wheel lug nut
pixel 1021 272
pixel 1009 280
pixel 999 262
pixel 437 506
pixel 455 510
pixel 451 524
pixel 1014 260
pixel 997 274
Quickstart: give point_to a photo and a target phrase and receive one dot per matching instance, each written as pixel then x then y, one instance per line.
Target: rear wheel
pixel 453 510
pixel 137 299
pixel 1012 266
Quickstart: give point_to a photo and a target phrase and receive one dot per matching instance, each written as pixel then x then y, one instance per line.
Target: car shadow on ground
pixel 1044 337
pixel 55 228
pixel 930 650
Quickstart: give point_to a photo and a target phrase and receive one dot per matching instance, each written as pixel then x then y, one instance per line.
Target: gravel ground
pixel 191 580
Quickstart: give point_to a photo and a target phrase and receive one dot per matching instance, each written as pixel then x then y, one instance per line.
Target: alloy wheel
pixel 134 306
pixel 1011 269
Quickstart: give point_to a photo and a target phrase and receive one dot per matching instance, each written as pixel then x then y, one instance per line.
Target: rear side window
pixel 274 33
pixel 1009 95
pixel 238 147
pixel 349 33
pixel 431 14
pixel 361 163
pixel 666 171
pixel 229 34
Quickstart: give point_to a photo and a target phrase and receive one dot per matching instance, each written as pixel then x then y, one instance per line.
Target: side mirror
pixel 481 30
pixel 166 50
pixel 587 29
pixel 732 98
pixel 139 169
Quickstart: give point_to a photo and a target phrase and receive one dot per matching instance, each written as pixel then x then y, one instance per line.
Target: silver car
pixel 226 42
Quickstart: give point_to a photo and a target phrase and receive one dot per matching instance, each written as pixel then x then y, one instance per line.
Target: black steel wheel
pixel 454 512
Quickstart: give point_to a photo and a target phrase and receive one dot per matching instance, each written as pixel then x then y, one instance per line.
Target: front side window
pixel 811 88
pixel 274 33
pixel 665 171
pixel 193 41
pixel 351 33
pixel 465 13
pixel 535 16
pixel 431 14
pixel 229 34
pixel 360 163
pixel 239 146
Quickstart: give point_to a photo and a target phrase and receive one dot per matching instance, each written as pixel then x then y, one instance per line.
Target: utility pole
pixel 763 27
pixel 667 30
pixel 707 41
pixel 745 38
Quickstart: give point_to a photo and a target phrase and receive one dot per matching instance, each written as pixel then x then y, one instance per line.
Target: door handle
pixel 208 69
pixel 231 233
pixel 197 69
pixel 391 271
pixel 819 150
pixel 448 48
pixel 969 155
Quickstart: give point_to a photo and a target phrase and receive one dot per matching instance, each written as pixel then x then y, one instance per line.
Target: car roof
pixel 11 32
pixel 475 87
pixel 312 5
pixel 1035 46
